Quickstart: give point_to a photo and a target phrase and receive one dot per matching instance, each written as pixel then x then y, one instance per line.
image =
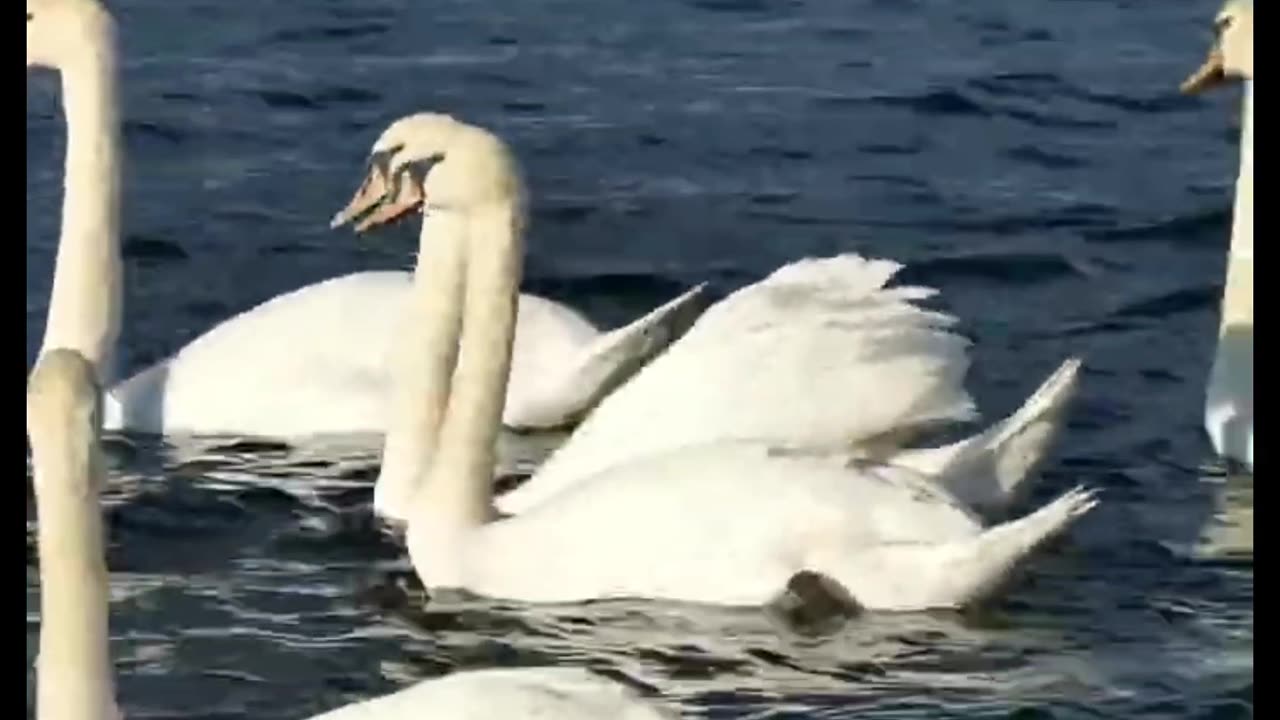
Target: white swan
pixel 74 677
pixel 781 361
pixel 1228 415
pixel 563 693
pixel 309 362
pixel 727 521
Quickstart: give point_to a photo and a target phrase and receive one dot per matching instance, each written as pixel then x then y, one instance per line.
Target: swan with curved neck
pixel 308 362
pixel 726 522
pixel 783 361
pixel 1228 417
pixel 74 678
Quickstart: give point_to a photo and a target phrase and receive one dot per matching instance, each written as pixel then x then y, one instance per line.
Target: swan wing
pixel 566 387
pixel 820 353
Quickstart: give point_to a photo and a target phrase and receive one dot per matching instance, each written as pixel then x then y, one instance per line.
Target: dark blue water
pixel 1032 159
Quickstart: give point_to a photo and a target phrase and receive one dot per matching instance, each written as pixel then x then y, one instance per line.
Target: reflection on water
pixel 252 580
pixel 1229 533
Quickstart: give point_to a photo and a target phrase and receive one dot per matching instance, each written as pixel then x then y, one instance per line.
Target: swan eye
pixel 417 170
pixel 380 160
pixel 30 16
pixel 1222 25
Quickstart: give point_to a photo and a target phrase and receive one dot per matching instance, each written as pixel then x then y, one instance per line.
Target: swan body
pixel 516 694
pixel 309 362
pixel 730 524
pixel 715 520
pixel 1228 414
pixel 313 362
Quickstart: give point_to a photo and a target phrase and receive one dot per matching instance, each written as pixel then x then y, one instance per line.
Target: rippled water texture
pixel 1031 159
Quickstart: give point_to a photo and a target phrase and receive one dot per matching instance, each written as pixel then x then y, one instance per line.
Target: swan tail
pixel 603 365
pixel 989 471
pixel 979 568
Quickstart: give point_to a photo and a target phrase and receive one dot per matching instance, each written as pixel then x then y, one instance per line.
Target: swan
pixel 725 521
pixel 772 362
pixel 777 361
pixel 1228 414
pixel 308 362
pixel 74 677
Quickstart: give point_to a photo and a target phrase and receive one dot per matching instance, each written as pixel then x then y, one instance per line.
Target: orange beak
pixel 376 204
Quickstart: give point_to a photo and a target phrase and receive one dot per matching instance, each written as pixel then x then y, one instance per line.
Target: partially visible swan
pixel 1228 415
pixel 308 362
pixel 562 693
pixel 726 521
pixel 74 678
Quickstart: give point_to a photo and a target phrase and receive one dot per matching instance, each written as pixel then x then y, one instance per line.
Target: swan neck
pixel 1242 214
pixel 458 490
pixel 85 302
pixel 73 672
pixel 1237 299
pixel 421 362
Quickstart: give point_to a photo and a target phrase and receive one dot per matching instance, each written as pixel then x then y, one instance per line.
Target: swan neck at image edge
pixel 85 301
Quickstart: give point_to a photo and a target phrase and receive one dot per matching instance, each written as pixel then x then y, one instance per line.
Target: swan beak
pixel 408 198
pixel 1210 75
pixel 369 195
pixel 379 203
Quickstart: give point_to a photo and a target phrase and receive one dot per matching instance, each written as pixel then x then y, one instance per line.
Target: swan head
pixel 60 32
pixel 1231 54
pixel 63 406
pixel 432 162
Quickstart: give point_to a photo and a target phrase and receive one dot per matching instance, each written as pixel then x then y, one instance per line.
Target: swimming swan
pixel 774 362
pixel 308 362
pixel 74 677
pixel 1228 414
pixel 725 522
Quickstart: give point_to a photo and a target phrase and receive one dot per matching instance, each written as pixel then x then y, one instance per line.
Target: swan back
pixel 564 693
pixel 820 353
pixel 73 673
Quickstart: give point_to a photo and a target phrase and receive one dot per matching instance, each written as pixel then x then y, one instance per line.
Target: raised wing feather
pixel 820 353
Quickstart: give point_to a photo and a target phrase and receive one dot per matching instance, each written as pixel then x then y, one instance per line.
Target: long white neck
pixel 455 494
pixel 422 358
pixel 73 673
pixel 458 487
pixel 85 304
pixel 1237 302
